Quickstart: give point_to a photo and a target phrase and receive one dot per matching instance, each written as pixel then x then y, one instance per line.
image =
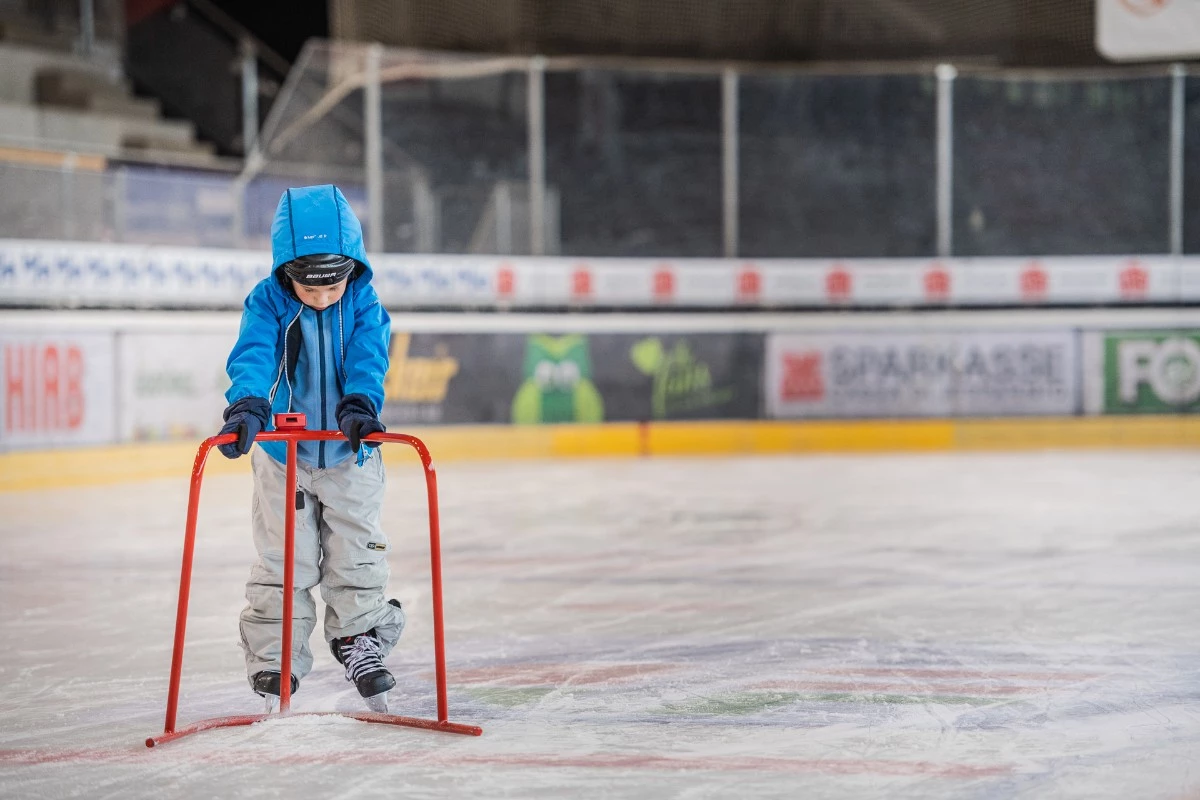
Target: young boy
pixel 314 340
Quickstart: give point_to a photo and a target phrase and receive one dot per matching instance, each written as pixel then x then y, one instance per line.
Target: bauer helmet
pixel 320 269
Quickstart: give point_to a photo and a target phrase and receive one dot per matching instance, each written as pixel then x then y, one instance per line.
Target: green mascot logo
pixel 558 382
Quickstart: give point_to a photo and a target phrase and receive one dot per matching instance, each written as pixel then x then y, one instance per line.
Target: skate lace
pixel 361 656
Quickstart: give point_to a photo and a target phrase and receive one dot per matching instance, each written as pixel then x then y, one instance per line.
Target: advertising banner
pixel 172 385
pixel 50 274
pixel 58 389
pixel 450 378
pixel 934 374
pixel 1148 30
pixel 680 376
pixel 1143 372
pixel 574 377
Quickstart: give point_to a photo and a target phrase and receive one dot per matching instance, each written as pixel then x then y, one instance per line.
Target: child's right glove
pixel 357 418
pixel 247 417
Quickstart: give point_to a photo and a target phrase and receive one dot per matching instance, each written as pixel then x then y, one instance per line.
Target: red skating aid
pixel 290 428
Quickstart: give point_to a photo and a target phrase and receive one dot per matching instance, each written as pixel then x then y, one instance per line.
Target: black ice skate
pixel 266 685
pixel 361 655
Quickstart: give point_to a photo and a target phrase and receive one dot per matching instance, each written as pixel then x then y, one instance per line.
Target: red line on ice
pixel 863 672
pixel 874 687
pixel 253 756
pixel 555 674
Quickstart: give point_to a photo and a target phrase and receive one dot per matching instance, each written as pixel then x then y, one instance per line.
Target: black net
pixel 636 160
pixel 1061 167
pixel 837 166
pixel 1191 168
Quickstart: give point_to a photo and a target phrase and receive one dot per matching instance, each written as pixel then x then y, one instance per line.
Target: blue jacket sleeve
pixel 254 361
pixel 367 350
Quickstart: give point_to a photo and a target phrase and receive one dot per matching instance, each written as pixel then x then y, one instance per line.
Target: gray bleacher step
pixel 91 91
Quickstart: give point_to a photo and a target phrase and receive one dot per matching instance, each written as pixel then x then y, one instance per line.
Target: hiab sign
pixel 56 389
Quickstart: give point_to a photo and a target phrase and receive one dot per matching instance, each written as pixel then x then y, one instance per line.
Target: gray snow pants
pixel 339 544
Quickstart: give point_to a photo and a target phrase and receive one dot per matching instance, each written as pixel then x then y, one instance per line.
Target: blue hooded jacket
pixel 300 359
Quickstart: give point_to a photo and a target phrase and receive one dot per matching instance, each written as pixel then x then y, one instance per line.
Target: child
pixel 314 340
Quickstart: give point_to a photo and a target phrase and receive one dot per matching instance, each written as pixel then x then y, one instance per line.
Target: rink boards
pixel 544 386
pixel 44 469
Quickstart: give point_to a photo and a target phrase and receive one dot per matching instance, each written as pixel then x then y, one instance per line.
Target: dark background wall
pixel 998 31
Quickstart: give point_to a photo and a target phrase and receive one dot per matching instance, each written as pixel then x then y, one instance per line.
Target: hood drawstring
pixel 342 342
pixel 362 448
pixel 282 374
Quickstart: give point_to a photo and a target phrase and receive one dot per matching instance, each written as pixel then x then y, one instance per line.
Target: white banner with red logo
pixel 172 385
pixel 1148 30
pixel 927 374
pixel 34 273
pixel 58 389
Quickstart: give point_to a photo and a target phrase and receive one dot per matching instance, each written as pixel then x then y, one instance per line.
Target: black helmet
pixel 320 269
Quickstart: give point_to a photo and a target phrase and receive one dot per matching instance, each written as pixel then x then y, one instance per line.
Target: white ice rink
pixel 932 626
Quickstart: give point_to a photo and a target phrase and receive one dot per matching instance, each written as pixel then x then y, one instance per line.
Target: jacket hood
pixel 316 219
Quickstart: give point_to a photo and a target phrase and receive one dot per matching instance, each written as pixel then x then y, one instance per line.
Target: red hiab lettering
pixel 14 387
pixel 74 398
pixel 43 387
pixel 49 404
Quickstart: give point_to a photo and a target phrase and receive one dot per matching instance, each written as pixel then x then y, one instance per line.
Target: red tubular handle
pixel 289 579
pixel 292 437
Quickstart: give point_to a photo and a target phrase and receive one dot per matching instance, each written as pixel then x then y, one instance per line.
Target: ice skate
pixel 378 703
pixel 266 686
pixel 361 655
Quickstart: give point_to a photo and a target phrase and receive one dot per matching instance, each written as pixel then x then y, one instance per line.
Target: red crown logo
pixel 581 281
pixel 506 280
pixel 937 283
pixel 1034 281
pixel 664 283
pixel 838 283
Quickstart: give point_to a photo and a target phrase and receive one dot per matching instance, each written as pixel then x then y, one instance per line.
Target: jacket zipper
pixel 321 349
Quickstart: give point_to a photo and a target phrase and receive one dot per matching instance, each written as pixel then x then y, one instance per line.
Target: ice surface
pixel 864 627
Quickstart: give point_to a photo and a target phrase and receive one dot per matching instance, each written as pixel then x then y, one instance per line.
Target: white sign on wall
pixel 934 374
pixel 57 389
pixel 70 274
pixel 1148 30
pixel 173 384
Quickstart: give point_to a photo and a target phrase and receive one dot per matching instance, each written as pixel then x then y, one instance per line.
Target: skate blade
pixel 378 703
pixel 271 703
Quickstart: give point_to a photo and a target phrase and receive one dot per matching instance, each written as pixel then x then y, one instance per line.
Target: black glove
pixel 357 418
pixel 247 417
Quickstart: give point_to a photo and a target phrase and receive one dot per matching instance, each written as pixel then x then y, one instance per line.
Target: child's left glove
pixel 357 418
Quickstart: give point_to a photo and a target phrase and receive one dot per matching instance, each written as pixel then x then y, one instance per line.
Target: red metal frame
pixel 291 430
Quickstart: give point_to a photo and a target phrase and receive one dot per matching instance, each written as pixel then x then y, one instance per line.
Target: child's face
pixel 320 297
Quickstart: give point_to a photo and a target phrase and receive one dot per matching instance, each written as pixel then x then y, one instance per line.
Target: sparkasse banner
pixel 934 374
pixel 1143 372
